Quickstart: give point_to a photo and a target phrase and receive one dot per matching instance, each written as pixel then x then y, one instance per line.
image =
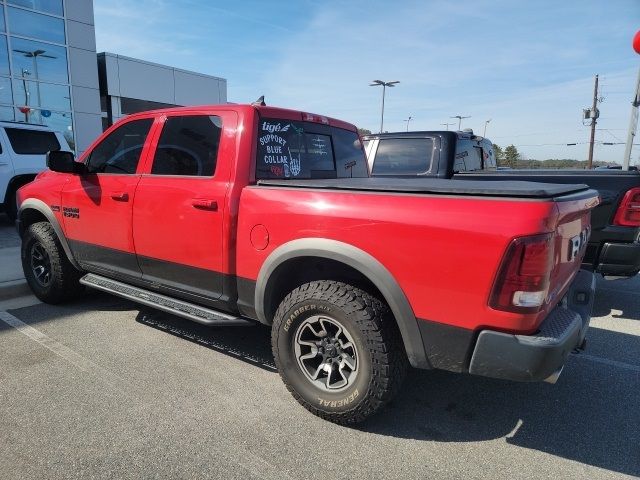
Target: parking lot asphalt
pixel 102 388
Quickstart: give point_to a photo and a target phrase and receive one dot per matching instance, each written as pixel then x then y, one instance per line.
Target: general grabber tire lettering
pixel 52 278
pixel 338 350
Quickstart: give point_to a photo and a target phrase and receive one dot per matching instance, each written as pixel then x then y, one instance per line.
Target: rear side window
pixel 403 156
pixel 32 142
pixel 188 146
pixel 468 156
pixel 304 150
pixel 120 151
pixel 350 158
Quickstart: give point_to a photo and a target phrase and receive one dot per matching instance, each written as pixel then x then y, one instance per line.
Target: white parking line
pixel 59 349
pixel 606 361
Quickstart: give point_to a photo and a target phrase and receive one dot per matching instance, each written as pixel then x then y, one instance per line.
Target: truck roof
pixel 264 111
pixel 449 133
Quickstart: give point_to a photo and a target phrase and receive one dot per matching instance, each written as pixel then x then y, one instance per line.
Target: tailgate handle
pixel 205 204
pixel 120 196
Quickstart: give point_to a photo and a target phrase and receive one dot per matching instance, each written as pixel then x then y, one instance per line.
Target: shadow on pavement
pixel 251 344
pixel 589 416
pixel 618 303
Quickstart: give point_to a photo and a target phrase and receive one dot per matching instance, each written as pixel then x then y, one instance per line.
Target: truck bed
pixel 504 188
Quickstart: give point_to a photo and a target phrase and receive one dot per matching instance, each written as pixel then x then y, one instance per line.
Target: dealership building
pixel 51 74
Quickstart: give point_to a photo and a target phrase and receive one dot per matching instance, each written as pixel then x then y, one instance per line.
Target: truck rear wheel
pixel 49 273
pixel 338 351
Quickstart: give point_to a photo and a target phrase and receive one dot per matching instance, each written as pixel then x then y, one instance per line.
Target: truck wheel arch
pixel 32 210
pixel 358 260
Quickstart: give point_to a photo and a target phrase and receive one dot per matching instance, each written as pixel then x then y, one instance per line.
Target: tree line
pixel 510 157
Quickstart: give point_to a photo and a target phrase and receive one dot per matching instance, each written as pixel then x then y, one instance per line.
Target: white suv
pixel 23 149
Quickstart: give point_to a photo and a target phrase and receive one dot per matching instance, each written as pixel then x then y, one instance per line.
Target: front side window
pixel 403 156
pixel 188 146
pixel 32 142
pixel 120 151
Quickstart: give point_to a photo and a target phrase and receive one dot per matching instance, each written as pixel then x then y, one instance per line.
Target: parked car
pixel 236 214
pixel 23 149
pixel 614 246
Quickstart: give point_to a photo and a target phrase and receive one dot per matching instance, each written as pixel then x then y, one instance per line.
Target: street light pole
pixel 460 117
pixel 384 86
pixel 447 125
pixel 484 134
pixel 408 120
pixel 34 54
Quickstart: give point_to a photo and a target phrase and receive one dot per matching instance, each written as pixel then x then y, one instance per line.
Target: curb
pixel 14 289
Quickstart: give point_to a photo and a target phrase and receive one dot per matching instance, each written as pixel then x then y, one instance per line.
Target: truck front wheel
pixel 48 271
pixel 338 350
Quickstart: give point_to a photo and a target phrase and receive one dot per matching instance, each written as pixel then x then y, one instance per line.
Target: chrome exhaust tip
pixel 553 378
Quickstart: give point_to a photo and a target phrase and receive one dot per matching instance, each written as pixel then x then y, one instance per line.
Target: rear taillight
pixel 628 214
pixel 524 275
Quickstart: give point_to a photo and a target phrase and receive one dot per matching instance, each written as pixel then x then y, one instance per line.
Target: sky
pixel 527 66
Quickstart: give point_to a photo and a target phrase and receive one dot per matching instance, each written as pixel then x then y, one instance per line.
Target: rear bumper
pixel 531 358
pixel 619 259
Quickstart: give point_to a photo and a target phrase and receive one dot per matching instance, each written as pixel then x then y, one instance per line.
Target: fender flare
pixel 367 265
pixel 44 209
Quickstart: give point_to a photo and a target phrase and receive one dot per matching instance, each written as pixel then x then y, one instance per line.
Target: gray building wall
pixel 83 72
pixel 128 85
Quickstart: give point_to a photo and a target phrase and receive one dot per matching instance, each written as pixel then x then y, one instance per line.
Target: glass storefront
pixel 34 73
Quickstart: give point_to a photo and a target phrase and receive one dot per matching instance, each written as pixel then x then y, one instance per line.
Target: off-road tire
pixel 64 277
pixel 382 360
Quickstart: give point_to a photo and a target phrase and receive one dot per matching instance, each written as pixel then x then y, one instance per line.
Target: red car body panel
pixel 446 273
pixel 444 251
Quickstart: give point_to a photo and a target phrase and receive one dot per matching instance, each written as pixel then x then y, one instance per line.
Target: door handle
pixel 205 204
pixel 120 196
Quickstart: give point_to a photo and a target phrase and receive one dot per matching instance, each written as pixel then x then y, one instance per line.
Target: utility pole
pixel 594 117
pixel 633 125
pixel 447 125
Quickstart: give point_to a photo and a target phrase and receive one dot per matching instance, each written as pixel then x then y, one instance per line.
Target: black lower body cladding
pixel 538 357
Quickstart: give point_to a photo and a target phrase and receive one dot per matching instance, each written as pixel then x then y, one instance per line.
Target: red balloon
pixel 636 42
pixel 25 109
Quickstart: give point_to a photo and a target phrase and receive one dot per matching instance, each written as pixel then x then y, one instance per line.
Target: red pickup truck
pixel 236 214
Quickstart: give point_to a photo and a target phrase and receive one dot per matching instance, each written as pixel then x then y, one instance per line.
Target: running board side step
pixel 180 308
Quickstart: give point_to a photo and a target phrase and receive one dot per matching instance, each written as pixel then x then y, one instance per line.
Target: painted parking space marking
pixel 606 361
pixel 59 349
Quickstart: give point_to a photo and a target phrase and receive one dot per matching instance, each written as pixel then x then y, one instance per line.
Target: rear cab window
pixel 403 156
pixel 32 142
pixel 306 150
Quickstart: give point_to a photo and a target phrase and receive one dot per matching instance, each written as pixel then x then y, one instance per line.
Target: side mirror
pixel 64 162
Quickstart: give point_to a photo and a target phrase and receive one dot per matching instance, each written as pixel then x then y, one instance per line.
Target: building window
pixel 40 95
pixel 39 61
pixel 5 91
pixel 36 25
pixel 2 26
pixel 133 105
pixel 4 57
pixel 47 6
